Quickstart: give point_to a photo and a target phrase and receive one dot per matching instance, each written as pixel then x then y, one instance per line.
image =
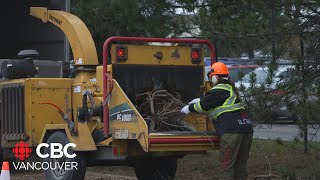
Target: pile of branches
pixel 161 110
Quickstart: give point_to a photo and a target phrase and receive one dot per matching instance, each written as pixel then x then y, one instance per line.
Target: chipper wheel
pixel 62 173
pixel 161 168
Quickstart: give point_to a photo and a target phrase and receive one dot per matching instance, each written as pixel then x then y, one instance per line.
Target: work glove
pixel 194 101
pixel 185 109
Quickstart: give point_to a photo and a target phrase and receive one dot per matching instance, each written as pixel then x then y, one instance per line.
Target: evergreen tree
pixel 142 18
pixel 281 29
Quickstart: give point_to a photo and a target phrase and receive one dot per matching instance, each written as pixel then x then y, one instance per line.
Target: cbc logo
pixel 56 150
pixel 22 150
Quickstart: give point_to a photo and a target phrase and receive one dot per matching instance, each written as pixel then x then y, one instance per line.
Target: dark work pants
pixel 234 154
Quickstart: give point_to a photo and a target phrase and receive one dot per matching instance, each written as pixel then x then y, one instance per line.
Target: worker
pixel 222 103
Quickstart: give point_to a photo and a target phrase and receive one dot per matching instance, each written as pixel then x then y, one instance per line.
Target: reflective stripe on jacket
pixel 228 106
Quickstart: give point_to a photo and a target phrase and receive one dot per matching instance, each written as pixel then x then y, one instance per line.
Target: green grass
pixel 287 160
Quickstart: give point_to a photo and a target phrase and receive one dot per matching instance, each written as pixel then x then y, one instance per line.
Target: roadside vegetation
pixel 276 159
pixel 287 160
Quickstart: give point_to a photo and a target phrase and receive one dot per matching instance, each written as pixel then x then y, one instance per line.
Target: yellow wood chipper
pixel 95 109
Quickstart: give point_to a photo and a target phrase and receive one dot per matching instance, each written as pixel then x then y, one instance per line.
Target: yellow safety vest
pixel 228 106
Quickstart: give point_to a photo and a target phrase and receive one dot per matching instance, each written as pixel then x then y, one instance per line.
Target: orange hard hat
pixel 219 68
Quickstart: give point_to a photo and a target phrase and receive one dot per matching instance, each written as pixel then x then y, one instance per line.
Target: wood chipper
pixel 99 109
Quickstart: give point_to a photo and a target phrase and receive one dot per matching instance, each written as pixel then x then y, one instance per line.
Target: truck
pixel 94 113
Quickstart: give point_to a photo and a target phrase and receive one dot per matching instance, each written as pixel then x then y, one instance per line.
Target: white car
pixel 280 113
pixel 261 77
pixel 235 71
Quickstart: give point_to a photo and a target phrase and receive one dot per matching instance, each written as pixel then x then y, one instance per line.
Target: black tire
pixel 156 169
pixel 60 137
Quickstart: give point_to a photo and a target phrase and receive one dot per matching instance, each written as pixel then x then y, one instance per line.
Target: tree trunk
pixel 304 96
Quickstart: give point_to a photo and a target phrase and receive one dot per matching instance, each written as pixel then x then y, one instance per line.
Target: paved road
pixel 284 132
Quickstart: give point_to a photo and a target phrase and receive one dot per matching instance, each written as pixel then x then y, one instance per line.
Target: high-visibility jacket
pixel 225 108
pixel 229 105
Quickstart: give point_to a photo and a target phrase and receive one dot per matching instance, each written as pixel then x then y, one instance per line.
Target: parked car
pixel 235 71
pixel 261 75
pixel 207 61
pixel 280 113
pixel 238 71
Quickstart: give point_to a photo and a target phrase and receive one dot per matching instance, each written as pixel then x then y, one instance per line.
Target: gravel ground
pixel 286 159
pixel 90 175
